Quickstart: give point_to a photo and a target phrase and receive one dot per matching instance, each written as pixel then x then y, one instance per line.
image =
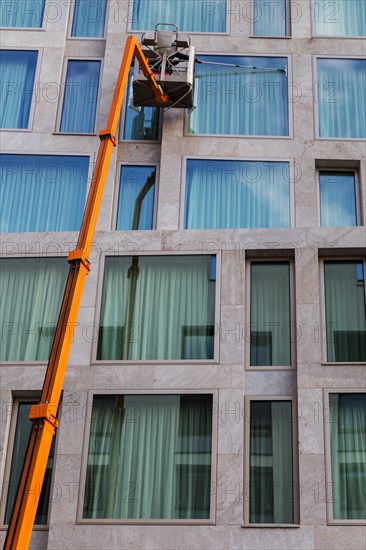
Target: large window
pixel 339 17
pixel 42 192
pixel 149 457
pixel 24 13
pixel 140 123
pixel 240 96
pixel 136 197
pixel 89 18
pixel 345 311
pixel 271 330
pixel 80 97
pixel 17 74
pixel 157 308
pixel 347 424
pixel 20 432
pixel 271 467
pixel 31 291
pixel 224 194
pixel 189 15
pixel 271 18
pixel 338 198
pixel 342 98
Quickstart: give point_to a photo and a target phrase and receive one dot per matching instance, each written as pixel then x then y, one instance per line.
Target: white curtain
pixel 270 17
pixel 337 199
pixel 42 192
pixel 31 291
pixel 340 17
pixel 135 205
pixel 89 18
pixel 21 13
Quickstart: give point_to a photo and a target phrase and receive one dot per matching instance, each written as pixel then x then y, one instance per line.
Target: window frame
pixel 37 29
pixel 288 23
pixel 214 449
pixel 268 258
pixel 313 12
pixel 341 170
pixel 65 65
pixel 322 260
pixel 328 456
pixel 136 252
pixel 295 461
pixel 71 20
pixel 116 193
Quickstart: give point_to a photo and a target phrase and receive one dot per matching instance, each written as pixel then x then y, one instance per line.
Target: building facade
pixel 216 391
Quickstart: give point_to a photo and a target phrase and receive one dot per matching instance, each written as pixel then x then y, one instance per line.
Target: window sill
pixel 270 37
pixel 343 364
pixel 269 368
pixel 271 525
pixel 172 362
pixel 144 522
pixel 344 522
pixel 94 134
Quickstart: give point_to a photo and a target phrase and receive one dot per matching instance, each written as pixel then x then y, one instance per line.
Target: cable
pixel 200 61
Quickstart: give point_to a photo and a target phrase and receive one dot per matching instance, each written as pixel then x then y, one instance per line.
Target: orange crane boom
pixel 44 415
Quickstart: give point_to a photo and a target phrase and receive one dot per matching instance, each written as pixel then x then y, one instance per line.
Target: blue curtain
pixel 270 18
pixel 17 72
pixel 42 192
pixel 340 17
pixel 342 98
pixel 225 194
pixel 24 13
pixel 136 197
pixel 337 199
pixel 89 18
pixel 141 123
pixel 81 96
pixel 240 101
pixel 189 15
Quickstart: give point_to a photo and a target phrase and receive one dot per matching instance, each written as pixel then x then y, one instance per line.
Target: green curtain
pixel 149 457
pixel 348 452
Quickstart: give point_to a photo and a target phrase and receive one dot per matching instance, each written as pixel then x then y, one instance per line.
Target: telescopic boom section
pixel 44 415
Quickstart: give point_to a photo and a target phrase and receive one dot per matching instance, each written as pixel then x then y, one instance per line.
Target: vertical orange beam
pixel 44 415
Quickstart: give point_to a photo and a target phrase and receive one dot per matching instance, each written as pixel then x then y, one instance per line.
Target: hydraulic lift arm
pixel 44 415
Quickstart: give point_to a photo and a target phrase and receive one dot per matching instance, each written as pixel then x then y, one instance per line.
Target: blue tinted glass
pixel 89 18
pixel 22 13
pixel 141 123
pixel 337 199
pixel 136 197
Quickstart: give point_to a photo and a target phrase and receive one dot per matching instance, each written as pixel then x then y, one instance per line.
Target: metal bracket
pixel 79 255
pixel 42 412
pixel 105 134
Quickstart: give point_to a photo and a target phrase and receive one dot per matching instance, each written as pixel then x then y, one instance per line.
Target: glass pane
pixel 17 73
pixel 31 291
pixel 27 13
pixel 157 307
pixel 149 457
pixel 42 192
pixel 240 96
pixel 136 197
pixel 339 17
pixel 81 96
pixel 348 451
pixel 141 123
pixel 345 311
pixel 189 15
pixel 228 194
pixel 337 199
pixel 89 18
pixel 271 478
pixel 270 314
pixel 341 101
pixel 271 18
pixel 22 432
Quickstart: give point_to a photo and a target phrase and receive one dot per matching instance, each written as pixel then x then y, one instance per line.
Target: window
pixel 27 13
pixel 140 123
pixel 240 96
pixel 17 74
pixel 136 197
pixel 347 426
pixel 89 18
pixel 345 311
pixel 165 475
pixel 338 199
pixel 31 291
pixel 42 192
pixel 341 101
pixel 157 308
pixel 271 18
pixel 20 434
pixel 80 97
pixel 189 15
pixel 224 194
pixel 270 469
pixel 270 315
pixel 339 17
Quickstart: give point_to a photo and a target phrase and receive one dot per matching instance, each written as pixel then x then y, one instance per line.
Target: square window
pixel 17 74
pixel 136 197
pixel 338 199
pixel 42 192
pixel 157 308
pixel 166 475
pixel 140 123
pixel 240 96
pixel 89 18
pixel 228 194
pixel 339 17
pixel 341 101
pixel 80 97
pixel 271 18
pixel 27 13
pixel 345 311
